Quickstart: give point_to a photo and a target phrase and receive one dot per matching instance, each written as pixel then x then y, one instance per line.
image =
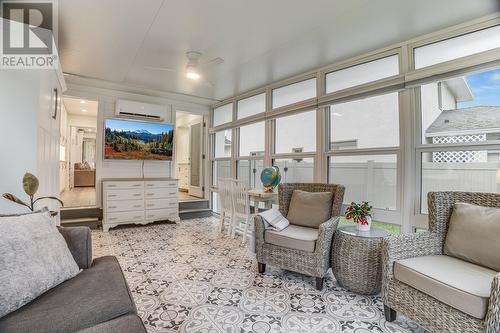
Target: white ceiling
pixel 261 41
pixel 76 106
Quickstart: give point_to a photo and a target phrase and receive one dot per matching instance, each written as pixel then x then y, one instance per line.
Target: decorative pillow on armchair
pixel 33 259
pixel 474 235
pixel 310 209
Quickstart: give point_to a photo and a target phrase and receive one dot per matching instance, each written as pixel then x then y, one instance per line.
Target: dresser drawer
pixel 123 185
pixel 161 203
pixel 124 205
pixel 158 214
pixel 132 194
pixel 132 216
pixel 160 193
pixel 161 183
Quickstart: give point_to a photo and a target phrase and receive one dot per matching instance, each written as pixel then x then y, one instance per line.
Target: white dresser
pixel 139 201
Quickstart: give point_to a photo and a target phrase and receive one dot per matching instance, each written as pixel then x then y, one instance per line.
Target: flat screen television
pixel 135 140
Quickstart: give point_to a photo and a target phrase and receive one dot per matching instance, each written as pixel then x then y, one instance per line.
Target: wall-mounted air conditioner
pixel 139 110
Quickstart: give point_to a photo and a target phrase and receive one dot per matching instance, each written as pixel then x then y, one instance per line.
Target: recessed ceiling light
pixel 83 102
pixel 192 75
pixel 84 110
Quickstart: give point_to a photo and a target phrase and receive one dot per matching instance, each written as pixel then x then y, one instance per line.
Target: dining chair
pixel 242 216
pixel 226 204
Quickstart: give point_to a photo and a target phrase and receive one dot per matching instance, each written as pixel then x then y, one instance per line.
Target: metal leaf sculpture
pixel 30 186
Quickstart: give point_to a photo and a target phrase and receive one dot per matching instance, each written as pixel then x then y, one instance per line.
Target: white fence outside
pixel 376 182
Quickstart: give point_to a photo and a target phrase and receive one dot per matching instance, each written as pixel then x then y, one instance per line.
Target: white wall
pixel 29 137
pixel 107 98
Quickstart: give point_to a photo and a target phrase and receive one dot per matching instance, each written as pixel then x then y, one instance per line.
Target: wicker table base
pixel 356 259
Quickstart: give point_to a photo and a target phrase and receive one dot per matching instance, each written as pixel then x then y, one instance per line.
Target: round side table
pixel 356 259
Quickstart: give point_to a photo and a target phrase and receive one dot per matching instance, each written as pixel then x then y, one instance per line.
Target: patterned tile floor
pixel 189 278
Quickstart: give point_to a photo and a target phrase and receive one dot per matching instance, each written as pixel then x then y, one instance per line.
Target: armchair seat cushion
pixel 293 237
pixel 457 283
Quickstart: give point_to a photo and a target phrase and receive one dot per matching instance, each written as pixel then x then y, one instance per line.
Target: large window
pixel 220 169
pixel 367 123
pixel 296 133
pixel 364 73
pixel 223 114
pixel 223 142
pixel 461 109
pixel 252 139
pixel 370 178
pixel 464 170
pixel 458 114
pixel 252 105
pixel 457 47
pixel 250 170
pixel 299 170
pixel 294 93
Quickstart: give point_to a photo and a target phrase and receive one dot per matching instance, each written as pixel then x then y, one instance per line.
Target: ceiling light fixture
pixel 192 74
pixel 83 102
pixel 84 110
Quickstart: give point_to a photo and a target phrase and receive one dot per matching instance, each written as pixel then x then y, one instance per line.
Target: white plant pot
pixel 365 227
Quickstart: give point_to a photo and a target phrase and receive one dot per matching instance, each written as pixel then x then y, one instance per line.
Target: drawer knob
pixel 111 195
pixel 135 206
pixel 111 207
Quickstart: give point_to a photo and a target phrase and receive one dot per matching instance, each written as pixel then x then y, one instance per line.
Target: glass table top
pixel 352 230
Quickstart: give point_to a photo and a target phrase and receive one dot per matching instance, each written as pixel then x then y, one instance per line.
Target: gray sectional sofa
pixel 97 300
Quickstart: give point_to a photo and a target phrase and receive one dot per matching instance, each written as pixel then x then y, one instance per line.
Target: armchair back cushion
pixel 474 235
pixel 310 209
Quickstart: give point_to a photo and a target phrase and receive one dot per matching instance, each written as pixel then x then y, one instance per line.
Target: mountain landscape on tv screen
pixel 138 144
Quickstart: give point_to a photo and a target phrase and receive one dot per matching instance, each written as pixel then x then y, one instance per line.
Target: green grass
pixel 392 228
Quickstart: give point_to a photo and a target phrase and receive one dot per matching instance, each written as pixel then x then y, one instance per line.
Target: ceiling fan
pixel 193 68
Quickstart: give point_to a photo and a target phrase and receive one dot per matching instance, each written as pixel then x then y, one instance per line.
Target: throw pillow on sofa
pixel 474 235
pixel 34 258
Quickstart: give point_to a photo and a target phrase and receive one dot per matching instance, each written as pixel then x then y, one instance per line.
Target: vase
pixel 365 227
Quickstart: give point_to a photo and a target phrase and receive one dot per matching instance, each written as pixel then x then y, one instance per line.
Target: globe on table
pixel 270 178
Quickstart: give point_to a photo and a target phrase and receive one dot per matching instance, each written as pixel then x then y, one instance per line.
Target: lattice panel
pixel 459 138
pixel 471 156
pixel 460 156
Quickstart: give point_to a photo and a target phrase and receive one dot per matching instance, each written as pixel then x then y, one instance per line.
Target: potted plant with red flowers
pixel 361 214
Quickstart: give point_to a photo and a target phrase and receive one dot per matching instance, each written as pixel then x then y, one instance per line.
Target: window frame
pixel 420 220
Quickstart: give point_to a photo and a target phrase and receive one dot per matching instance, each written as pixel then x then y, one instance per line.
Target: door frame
pixel 198 191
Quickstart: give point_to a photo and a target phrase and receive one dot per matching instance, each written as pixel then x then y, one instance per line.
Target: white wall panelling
pixel 106 109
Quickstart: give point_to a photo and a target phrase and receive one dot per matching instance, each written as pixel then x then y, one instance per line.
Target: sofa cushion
pixel 457 283
pixel 128 323
pixel 293 237
pixel 474 235
pixel 34 258
pixel 310 209
pixel 96 295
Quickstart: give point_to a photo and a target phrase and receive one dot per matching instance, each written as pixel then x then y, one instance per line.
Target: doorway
pixel 78 152
pixel 189 155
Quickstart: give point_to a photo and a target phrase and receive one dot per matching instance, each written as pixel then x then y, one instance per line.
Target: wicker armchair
pixel 314 263
pixel 427 311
